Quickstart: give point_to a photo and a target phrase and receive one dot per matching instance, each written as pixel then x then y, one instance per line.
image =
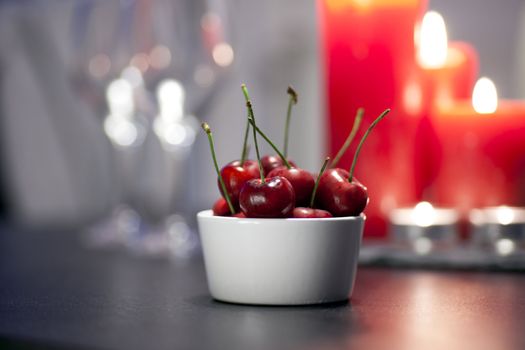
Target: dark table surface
pixel 56 294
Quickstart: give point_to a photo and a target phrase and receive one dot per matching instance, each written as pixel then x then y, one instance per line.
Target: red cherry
pixel 339 196
pixel 274 198
pixel 220 208
pixel 252 166
pixel 302 182
pixel 338 191
pixel 270 162
pixel 235 177
pixel 302 212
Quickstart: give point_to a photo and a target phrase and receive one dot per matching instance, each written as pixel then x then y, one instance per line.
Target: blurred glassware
pixel 126 129
pixel 145 43
pixel 163 196
pixel 183 39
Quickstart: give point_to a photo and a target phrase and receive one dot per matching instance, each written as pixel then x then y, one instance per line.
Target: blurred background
pixel 101 101
pixel 62 163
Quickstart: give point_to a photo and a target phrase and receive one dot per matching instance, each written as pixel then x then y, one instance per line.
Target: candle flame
pixel 433 42
pixel 424 214
pixel 505 215
pixel 485 96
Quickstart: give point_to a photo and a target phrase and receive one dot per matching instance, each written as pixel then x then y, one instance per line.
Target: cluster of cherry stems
pixel 274 187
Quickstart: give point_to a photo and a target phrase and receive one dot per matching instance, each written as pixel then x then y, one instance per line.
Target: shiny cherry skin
pixel 339 196
pixel 275 198
pixel 310 213
pixel 235 177
pixel 302 181
pixel 270 162
pixel 252 166
pixel 220 208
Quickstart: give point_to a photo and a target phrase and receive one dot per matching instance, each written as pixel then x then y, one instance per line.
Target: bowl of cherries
pixel 280 235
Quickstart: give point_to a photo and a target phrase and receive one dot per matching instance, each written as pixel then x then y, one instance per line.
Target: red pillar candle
pixel 448 73
pixel 441 86
pixel 483 162
pixel 369 60
pixel 454 80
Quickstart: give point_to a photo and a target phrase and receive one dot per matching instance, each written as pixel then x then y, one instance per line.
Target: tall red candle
pixel 454 80
pixel 369 60
pixel 441 86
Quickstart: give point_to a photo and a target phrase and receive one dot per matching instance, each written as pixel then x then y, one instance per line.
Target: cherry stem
pixel 207 129
pixel 246 151
pixel 251 118
pixel 267 139
pixel 350 138
pixel 291 102
pixel 374 123
pixel 245 143
pixel 312 199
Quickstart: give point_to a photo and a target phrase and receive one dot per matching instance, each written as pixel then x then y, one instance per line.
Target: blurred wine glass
pixel 147 67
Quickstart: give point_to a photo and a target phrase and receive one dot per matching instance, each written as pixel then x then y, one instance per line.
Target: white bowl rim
pixel 209 214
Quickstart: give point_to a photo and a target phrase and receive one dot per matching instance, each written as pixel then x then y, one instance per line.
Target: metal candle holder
pixel 424 228
pixel 498 229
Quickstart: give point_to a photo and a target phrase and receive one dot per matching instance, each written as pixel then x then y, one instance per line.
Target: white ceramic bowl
pixel 280 261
